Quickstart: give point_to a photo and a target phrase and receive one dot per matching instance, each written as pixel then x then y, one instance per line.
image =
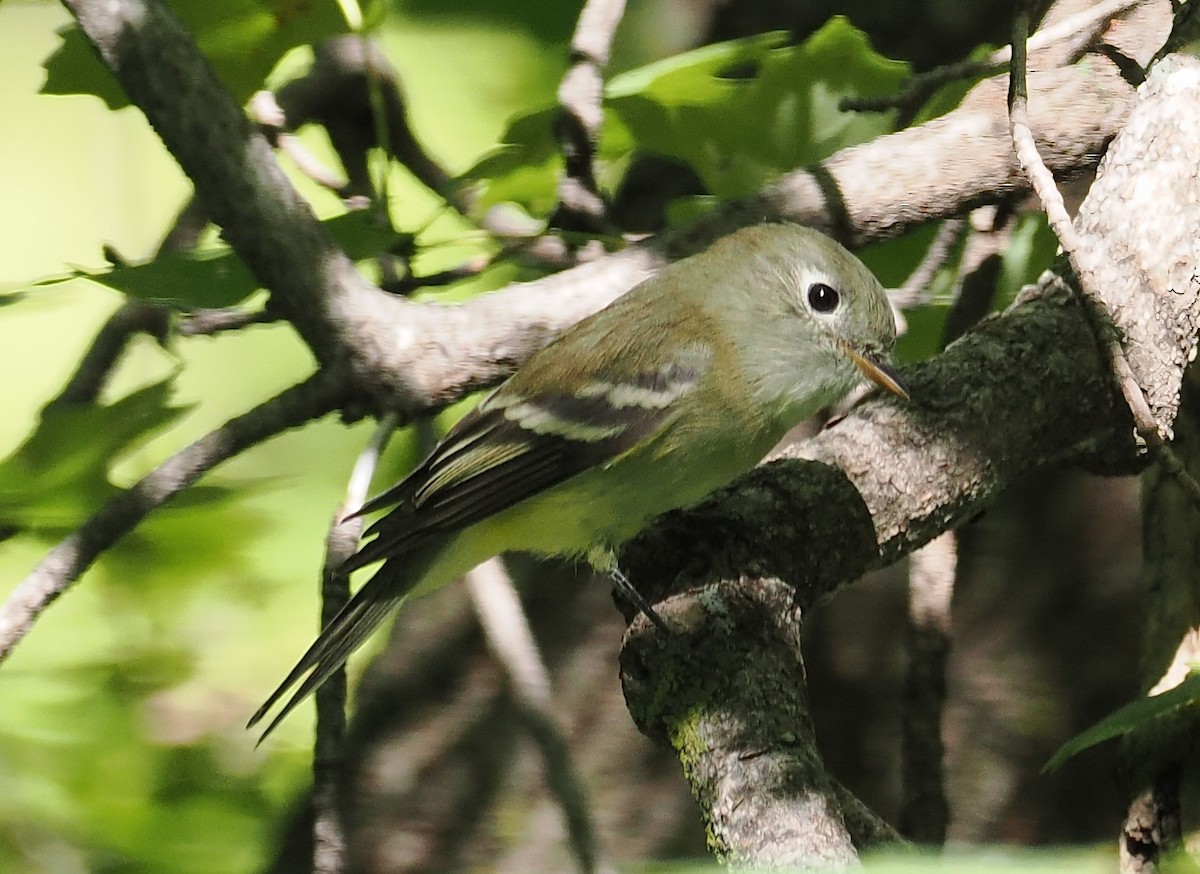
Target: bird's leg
pixel 635 597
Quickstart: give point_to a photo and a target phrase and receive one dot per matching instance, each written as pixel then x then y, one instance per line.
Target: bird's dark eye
pixel 822 298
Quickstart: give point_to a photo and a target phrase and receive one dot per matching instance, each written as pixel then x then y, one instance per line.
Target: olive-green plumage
pixel 648 405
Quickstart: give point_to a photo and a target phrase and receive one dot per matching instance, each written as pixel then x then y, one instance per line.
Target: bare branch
pixel 1086 258
pixel 329 837
pixel 271 119
pixel 580 205
pixel 745 736
pixel 511 642
pixel 70 558
pixel 925 811
pixel 133 318
pixel 215 321
pixel 915 291
pixel 1078 31
pixel 337 93
pixel 234 170
pixel 185 231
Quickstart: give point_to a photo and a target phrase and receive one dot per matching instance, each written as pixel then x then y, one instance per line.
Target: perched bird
pixel 673 390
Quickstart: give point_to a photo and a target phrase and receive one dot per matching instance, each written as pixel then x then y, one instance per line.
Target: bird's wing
pixel 352 625
pixel 611 394
pixel 512 447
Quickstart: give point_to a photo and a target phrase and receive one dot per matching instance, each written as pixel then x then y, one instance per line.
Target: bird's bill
pixel 879 371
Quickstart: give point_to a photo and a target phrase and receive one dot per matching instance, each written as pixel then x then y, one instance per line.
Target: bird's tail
pixel 345 633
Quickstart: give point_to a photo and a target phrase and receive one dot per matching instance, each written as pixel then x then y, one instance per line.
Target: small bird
pixel 648 405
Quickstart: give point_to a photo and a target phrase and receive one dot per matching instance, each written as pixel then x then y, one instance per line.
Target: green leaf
pixel 1128 718
pixel 218 277
pixel 524 168
pixel 740 133
pixel 740 113
pixel 58 476
pixel 187 279
pixel 950 95
pixel 73 68
pixel 243 39
pixel 703 75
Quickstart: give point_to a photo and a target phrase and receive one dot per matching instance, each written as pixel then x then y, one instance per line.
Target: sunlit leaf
pixel 1128 718
pixel 780 112
pixel 218 277
pixel 739 113
pixel 58 476
pixel 242 39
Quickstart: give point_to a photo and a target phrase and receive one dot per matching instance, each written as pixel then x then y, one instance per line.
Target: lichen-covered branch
pixel 1023 390
pixel 751 758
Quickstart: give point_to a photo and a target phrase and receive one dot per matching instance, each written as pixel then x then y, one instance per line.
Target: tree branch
pixel 506 630
pixel 132 318
pixel 1087 256
pixel 413 358
pixel 329 833
pixel 581 94
pixel 1075 31
pixel 1024 390
pixel 232 166
pixel 751 760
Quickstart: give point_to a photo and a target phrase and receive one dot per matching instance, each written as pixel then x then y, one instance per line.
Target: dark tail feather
pixel 344 634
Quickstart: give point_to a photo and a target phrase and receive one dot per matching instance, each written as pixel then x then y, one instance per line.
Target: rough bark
pixel 411 357
pixel 1025 390
pixel 927 466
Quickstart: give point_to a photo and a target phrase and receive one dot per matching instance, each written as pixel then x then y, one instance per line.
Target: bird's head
pixel 814 319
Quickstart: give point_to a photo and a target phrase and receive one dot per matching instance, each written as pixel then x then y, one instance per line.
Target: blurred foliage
pixel 64 466
pixel 738 113
pixel 121 740
pixel 243 39
pixel 215 276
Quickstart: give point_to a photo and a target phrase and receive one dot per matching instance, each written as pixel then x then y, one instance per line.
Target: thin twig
pixel 329 837
pixel 217 320
pixel 1085 26
pixel 1084 259
pixel 134 317
pixel 185 231
pixel 914 291
pixel 272 121
pixel 63 565
pixel 355 93
pixel 511 642
pixel 918 89
pixel 925 810
pixel 407 283
pixel 580 206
